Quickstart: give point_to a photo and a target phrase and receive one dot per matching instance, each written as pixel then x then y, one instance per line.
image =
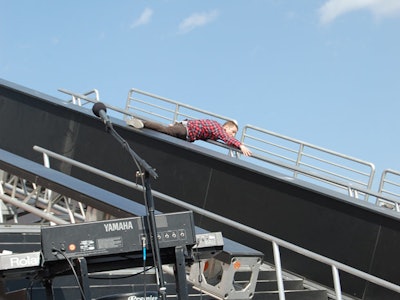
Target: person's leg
pixel 176 130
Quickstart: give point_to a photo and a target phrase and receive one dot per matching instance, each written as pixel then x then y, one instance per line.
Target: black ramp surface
pixel 317 219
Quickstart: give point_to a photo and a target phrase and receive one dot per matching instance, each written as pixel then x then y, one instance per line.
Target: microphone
pixel 100 110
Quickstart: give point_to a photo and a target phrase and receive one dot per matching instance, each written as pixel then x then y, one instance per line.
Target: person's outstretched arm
pixel 246 151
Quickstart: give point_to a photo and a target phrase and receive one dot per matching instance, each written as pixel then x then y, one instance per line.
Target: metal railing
pixel 310 161
pixel 165 110
pixel 276 242
pixel 390 188
pixel 297 158
pixel 83 99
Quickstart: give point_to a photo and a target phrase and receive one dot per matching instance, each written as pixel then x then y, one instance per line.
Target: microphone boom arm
pixel 133 154
pixel 100 111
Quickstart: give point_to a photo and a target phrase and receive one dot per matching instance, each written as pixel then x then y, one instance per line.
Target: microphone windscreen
pixel 97 107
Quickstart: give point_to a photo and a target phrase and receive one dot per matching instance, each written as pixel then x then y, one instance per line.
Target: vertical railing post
pixel 299 156
pixel 46 160
pixel 278 269
pixel 176 113
pixel 244 130
pixel 336 283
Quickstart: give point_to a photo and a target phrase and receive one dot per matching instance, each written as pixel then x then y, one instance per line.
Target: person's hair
pixel 231 124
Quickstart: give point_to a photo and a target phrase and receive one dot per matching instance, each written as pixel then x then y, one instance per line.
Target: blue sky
pixel 326 72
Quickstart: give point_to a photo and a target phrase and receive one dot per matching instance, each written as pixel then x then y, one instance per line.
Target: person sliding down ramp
pixel 192 130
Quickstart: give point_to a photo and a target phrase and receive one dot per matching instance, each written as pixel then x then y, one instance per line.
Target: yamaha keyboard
pixel 117 244
pixel 116 237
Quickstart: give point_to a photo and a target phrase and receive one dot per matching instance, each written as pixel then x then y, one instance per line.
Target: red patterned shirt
pixel 209 130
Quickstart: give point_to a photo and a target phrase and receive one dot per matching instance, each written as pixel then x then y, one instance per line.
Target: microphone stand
pixel 149 205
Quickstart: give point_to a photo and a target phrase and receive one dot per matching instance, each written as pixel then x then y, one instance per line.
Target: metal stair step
pixel 293 295
pixel 262 275
pixel 272 285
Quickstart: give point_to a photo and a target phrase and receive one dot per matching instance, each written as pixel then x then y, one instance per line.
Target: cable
pixel 73 271
pixel 141 175
pixel 144 265
pixel 30 287
pixel 100 111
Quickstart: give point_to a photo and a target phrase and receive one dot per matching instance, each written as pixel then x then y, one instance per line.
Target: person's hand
pixel 245 150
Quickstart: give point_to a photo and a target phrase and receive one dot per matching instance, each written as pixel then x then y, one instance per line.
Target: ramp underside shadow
pixel 328 223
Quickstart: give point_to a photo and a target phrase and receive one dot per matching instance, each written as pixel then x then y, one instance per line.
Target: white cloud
pixel 332 9
pixel 197 20
pixel 144 18
pixel 55 40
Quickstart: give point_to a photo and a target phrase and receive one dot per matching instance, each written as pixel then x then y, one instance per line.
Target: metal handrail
pixel 77 99
pixel 176 113
pixel 385 180
pixel 388 186
pixel 127 114
pixel 89 100
pixel 319 159
pixel 298 164
pixel 276 242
